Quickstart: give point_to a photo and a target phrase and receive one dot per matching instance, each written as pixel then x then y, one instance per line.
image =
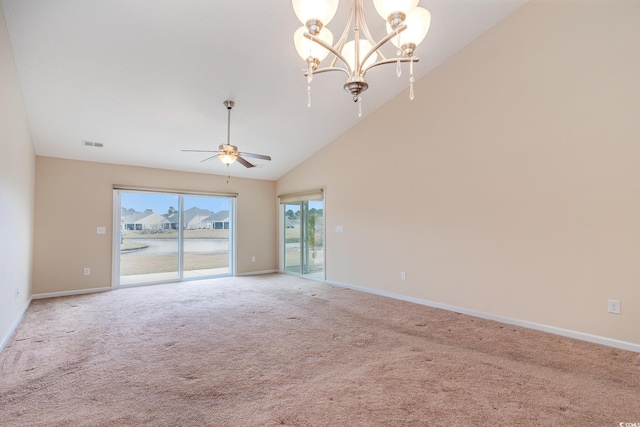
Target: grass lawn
pixel 168 263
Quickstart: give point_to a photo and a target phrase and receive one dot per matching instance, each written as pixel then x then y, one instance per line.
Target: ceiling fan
pixel 228 153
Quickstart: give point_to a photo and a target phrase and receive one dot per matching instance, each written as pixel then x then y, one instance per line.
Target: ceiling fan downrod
pixel 229 104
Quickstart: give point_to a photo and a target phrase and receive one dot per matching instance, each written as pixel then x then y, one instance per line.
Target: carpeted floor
pixel 277 350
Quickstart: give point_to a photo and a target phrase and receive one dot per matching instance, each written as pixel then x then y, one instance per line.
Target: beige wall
pixel 73 198
pixel 511 184
pixel 17 171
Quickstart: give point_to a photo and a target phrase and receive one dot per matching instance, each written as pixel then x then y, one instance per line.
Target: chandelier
pixel 407 26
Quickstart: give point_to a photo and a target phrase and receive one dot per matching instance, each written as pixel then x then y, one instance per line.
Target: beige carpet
pixel 276 350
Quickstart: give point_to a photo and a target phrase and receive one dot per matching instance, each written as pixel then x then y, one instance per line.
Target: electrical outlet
pixel 253 259
pixel 403 275
pixel 87 271
pixel 614 306
pixel 101 230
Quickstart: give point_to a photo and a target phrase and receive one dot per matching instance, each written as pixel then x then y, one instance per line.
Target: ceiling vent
pixel 93 144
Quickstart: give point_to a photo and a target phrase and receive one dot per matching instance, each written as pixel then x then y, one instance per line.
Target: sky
pixel 160 203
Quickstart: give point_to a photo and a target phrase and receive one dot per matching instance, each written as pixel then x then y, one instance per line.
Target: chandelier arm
pixel 356 51
pixel 368 36
pixel 361 23
pixel 365 29
pixel 345 35
pixel 390 61
pixel 378 45
pixel 326 69
pixel 338 47
pixel 330 49
pixel 380 54
pixel 333 62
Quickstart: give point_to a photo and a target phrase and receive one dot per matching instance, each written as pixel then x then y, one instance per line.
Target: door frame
pixel 299 198
pixel 116 227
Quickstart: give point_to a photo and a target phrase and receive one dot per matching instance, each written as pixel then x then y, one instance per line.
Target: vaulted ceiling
pixel 149 78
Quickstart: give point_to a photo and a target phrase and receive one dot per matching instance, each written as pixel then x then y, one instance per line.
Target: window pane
pixel 149 237
pixel 206 227
pixel 315 239
pixel 292 237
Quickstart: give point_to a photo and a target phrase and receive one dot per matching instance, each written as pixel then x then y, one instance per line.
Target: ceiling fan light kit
pixel 228 154
pixel 407 26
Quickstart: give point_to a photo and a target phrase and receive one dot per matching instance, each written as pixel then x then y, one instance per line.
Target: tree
pixel 148 211
pixel 171 210
pixel 312 231
pixel 289 214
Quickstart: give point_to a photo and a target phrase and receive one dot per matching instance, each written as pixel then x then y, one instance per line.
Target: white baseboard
pixel 5 339
pixel 69 293
pixel 624 345
pixel 256 273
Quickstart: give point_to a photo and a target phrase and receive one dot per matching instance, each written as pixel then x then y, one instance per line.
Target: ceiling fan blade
pixel 209 158
pixel 244 163
pixel 201 151
pixel 257 156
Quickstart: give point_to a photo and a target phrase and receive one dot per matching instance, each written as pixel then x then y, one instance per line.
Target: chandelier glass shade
pixel 407 26
pixel 306 48
pixel 387 8
pixel 349 52
pixel 418 21
pixel 321 10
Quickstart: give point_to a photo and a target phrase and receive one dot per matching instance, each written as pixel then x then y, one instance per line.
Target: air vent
pixel 93 144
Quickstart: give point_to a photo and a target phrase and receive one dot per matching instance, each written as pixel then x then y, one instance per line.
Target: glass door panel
pixel 149 241
pixel 206 235
pixel 313 260
pixel 292 238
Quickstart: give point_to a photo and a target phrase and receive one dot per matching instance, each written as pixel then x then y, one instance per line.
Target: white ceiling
pixel 149 78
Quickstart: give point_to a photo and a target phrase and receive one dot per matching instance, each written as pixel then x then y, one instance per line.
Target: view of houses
pixel 193 219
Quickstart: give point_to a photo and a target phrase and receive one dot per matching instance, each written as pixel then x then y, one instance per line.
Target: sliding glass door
pixel 170 237
pixel 304 238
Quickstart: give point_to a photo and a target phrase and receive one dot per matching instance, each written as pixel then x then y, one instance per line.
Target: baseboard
pixel 5 339
pixel 69 293
pixel 624 345
pixel 256 273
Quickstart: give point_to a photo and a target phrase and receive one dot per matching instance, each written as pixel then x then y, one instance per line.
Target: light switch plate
pixel 101 230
